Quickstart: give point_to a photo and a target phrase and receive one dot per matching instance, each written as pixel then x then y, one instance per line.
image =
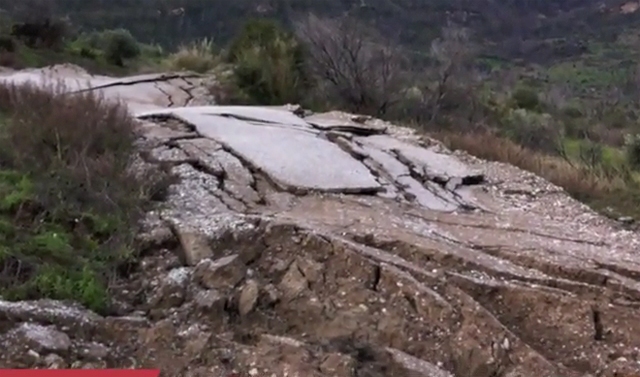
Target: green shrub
pixel 7 44
pixel 268 64
pixel 41 33
pixel 632 150
pixel 88 53
pixel 151 50
pixel 527 99
pixel 69 200
pixel 119 45
pixel 532 130
pixel 572 112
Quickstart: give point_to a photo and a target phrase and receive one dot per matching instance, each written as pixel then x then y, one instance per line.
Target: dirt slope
pixel 332 245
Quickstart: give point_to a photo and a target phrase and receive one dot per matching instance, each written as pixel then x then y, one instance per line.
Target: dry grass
pixel 198 57
pixel 599 188
pixel 69 202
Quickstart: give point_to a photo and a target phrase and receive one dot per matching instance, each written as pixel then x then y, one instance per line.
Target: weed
pixel 70 201
pixel 198 57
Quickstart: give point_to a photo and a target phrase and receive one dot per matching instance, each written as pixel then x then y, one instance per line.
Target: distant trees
pixel 45 33
pixel 452 71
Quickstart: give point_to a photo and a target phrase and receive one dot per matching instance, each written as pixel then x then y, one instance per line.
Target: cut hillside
pixel 336 245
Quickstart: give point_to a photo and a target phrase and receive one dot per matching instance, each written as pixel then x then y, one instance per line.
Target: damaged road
pixel 338 245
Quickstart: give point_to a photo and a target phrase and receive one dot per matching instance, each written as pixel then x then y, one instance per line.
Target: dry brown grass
pixel 196 57
pixel 596 187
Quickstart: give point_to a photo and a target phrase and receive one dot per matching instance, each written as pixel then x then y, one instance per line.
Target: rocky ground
pixel 300 244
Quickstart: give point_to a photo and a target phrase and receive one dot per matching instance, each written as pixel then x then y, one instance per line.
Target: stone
pixel 53 361
pixel 194 246
pixel 248 297
pixel 155 237
pixel 90 365
pixel 209 300
pixel 122 327
pixel 195 345
pixel 39 338
pixel 223 273
pixel 49 311
pixel 311 269
pixel 338 365
pixel 269 295
pixel 93 351
pixel 171 289
pixel 293 282
pixel 163 331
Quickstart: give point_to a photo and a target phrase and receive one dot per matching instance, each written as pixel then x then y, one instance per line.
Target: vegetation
pixel 538 31
pixel 268 64
pixel 200 57
pixel 69 198
pixel 34 44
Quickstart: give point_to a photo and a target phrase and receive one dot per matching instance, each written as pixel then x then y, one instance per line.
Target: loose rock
pixel 248 297
pixel 223 273
pixel 38 338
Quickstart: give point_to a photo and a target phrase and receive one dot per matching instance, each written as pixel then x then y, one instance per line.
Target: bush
pixel 532 130
pixel 7 44
pixel 88 53
pixel 69 199
pixel 197 57
pixel 44 33
pixel 572 112
pixel 151 50
pixel 268 64
pixel 119 45
pixel 525 99
pixel 632 150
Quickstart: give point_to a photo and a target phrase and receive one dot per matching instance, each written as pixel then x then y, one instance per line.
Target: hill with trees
pixel 531 30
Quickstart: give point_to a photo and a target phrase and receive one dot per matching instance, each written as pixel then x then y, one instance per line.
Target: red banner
pixel 79 373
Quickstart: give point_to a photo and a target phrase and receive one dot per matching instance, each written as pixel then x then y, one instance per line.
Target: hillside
pixel 539 31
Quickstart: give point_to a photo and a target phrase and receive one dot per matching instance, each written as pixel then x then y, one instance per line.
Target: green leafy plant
pixel 268 64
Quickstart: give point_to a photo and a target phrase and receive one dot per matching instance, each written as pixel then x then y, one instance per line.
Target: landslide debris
pixel 295 247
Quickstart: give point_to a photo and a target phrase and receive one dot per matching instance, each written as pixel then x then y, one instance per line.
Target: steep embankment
pixel 332 245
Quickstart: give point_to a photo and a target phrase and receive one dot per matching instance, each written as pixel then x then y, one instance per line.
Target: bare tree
pixel 357 67
pixel 453 53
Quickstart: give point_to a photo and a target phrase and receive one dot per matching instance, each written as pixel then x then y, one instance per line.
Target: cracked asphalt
pixel 450 264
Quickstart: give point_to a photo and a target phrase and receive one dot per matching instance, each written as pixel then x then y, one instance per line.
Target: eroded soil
pixel 333 245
